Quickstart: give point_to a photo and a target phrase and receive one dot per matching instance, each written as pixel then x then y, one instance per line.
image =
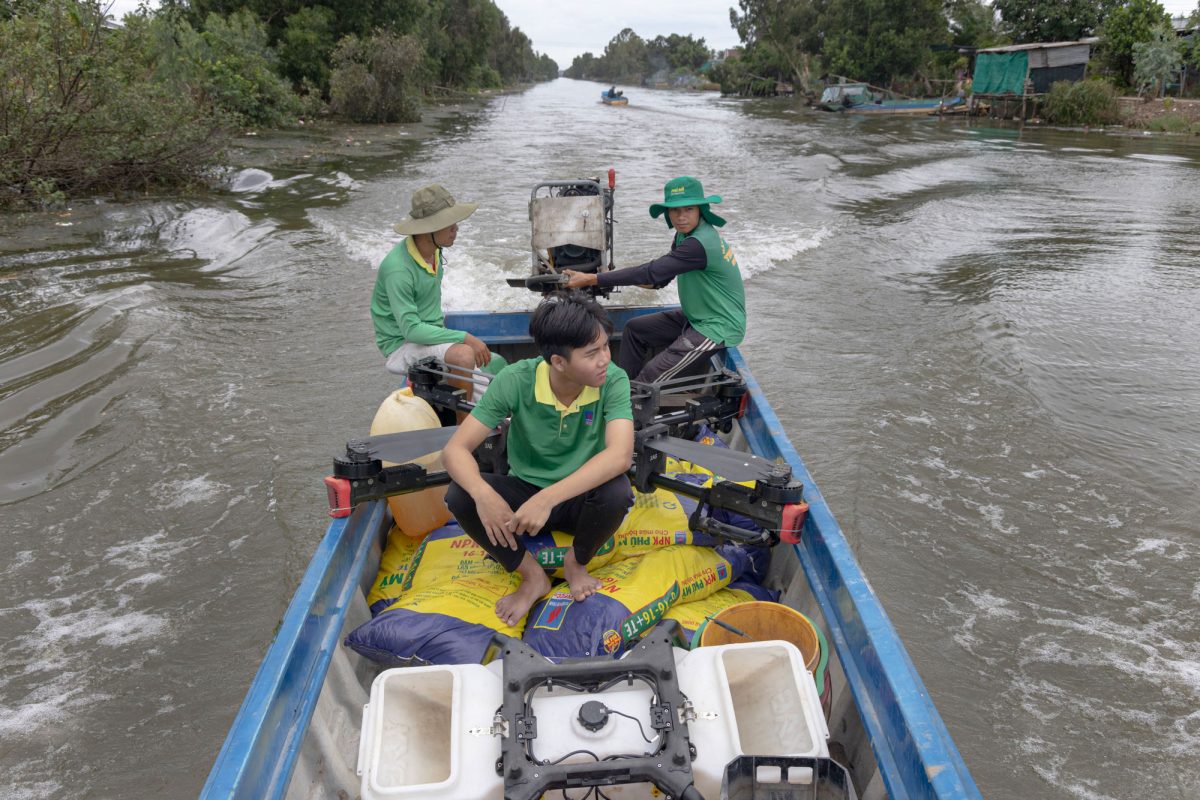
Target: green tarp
pixel 1000 73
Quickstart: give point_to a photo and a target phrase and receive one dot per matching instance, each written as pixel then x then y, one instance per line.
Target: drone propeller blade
pixel 400 448
pixel 732 465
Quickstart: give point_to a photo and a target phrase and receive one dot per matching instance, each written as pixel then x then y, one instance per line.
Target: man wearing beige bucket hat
pixel 406 306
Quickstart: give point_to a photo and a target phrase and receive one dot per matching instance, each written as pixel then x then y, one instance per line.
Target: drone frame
pixel 774 501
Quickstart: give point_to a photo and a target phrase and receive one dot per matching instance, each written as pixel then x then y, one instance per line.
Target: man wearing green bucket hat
pixel 710 290
pixel 406 306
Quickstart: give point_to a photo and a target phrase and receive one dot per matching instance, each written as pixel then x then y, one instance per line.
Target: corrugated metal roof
pixel 1038 46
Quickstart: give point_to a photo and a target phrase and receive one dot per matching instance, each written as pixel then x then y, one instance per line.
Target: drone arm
pixel 346 493
pixel 782 517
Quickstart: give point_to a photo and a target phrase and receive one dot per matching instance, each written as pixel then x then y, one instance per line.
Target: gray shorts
pixel 410 353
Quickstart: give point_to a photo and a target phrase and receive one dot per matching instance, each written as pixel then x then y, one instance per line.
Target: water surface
pixel 983 341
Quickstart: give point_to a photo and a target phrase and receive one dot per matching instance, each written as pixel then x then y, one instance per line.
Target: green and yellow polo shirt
pixel 406 305
pixel 548 441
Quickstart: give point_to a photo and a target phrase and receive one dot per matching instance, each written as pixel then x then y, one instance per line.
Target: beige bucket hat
pixel 433 208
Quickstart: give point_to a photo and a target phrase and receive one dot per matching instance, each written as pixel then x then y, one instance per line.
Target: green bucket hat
pixel 433 208
pixel 687 191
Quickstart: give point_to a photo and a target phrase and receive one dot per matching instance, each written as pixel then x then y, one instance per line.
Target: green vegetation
pixel 1082 103
pixel 228 65
pixel 377 79
pixel 1052 20
pixel 898 43
pixel 77 112
pixel 628 58
pixel 923 46
pixel 87 106
pixel 1172 122
pixel 1126 25
pixel 1156 60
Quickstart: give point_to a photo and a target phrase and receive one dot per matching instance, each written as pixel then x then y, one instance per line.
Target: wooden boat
pixel 861 98
pixel 609 100
pixel 297 736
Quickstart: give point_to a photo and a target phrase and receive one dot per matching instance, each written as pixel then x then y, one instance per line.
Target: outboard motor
pixel 575 256
pixel 572 228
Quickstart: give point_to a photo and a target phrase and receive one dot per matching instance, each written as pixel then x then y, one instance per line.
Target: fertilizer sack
pixel 394 563
pixel 444 612
pixel 634 595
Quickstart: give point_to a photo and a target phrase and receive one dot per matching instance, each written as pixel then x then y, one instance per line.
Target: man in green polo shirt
pixel 406 306
pixel 570 443
pixel 710 290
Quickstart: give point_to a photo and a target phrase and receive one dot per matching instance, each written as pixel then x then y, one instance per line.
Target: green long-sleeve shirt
pixel 406 305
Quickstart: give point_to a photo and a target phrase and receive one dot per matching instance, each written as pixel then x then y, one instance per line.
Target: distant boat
pixel 859 98
pixel 613 100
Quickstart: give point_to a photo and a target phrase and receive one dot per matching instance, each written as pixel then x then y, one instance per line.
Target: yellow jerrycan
pixel 416 513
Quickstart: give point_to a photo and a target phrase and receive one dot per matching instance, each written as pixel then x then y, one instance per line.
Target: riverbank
pixel 308 143
pixel 322 140
pixel 1171 114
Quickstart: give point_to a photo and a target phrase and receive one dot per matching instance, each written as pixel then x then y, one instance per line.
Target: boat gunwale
pixel 265 729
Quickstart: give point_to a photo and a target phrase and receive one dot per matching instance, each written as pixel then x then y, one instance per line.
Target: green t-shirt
pixel 714 298
pixel 548 441
pixel 406 305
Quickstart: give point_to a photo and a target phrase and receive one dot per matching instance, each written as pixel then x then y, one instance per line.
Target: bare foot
pixel 534 584
pixel 583 585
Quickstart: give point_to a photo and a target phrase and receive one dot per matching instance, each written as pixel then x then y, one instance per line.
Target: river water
pixel 985 343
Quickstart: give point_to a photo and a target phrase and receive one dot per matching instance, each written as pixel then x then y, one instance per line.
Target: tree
pixel 1028 21
pixel 78 113
pixel 359 17
pixel 230 64
pixel 306 46
pixel 1157 60
pixel 625 57
pixel 377 79
pixel 879 40
pixel 547 69
pixel 973 23
pixel 583 67
pixel 1132 22
pixel 677 52
pixel 781 38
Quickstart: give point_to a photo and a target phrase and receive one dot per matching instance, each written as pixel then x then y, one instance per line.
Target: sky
pixel 588 26
pixel 564 29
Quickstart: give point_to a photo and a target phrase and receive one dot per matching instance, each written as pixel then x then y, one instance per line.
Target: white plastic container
pixel 749 699
pixel 427 733
pixel 427 730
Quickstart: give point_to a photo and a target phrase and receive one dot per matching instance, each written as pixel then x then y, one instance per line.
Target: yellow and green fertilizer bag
pixel 656 520
pixel 634 595
pixel 393 570
pixel 444 612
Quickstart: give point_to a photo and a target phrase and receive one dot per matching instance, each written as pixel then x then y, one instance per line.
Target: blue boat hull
pixel 914 754
pixel 921 107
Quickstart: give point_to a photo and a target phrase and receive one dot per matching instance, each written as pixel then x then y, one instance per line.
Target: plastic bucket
pixel 763 622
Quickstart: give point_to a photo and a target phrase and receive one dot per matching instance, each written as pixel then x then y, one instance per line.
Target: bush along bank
pixel 89 106
pixel 1096 103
